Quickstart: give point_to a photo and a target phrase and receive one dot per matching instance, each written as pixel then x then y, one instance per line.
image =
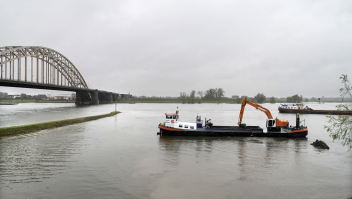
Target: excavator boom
pixel 255 105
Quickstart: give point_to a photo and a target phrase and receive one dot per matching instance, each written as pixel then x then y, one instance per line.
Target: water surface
pixel 122 157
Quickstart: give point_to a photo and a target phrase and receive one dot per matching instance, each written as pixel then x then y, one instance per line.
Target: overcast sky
pixel 162 48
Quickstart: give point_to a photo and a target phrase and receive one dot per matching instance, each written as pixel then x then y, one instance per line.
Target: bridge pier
pixel 95 99
pixel 105 97
pixel 110 97
pixel 87 98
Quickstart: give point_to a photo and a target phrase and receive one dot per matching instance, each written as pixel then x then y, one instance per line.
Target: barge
pixel 299 108
pixel 275 127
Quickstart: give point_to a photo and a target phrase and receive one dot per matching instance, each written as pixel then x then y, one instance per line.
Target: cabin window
pixel 186 126
pixel 174 117
pixel 180 126
pixel 192 127
pixel 168 116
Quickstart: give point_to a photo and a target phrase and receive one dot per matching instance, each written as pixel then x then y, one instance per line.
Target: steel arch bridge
pixel 46 66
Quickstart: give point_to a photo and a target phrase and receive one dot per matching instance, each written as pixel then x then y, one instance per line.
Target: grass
pixel 16 130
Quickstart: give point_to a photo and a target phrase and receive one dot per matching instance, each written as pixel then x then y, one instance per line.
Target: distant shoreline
pixel 136 100
pixel 19 101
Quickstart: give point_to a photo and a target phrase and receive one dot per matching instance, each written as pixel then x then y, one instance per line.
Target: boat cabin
pixel 292 106
pixel 172 120
pixel 171 117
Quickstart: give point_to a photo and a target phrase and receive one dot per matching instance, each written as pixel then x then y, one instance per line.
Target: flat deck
pixel 249 131
pixel 305 111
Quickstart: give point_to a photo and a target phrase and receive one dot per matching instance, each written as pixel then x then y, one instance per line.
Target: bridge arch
pixel 47 66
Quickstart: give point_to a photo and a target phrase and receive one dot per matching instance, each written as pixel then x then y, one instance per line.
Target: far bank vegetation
pixel 211 95
pixel 217 95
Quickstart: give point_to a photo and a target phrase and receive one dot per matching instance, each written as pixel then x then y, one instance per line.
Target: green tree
pixel 272 100
pixel 219 93
pixel 214 94
pixel 192 97
pixel 183 97
pixel 23 96
pixel 340 127
pixel 201 94
pixel 210 94
pixel 313 99
pixel 238 100
pixel 260 98
pixel 294 99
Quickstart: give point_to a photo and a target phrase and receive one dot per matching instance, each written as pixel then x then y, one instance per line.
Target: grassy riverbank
pixel 15 130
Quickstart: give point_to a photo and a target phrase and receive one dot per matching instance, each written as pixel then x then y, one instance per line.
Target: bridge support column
pixel 110 97
pixel 87 98
pixel 95 99
pixel 78 98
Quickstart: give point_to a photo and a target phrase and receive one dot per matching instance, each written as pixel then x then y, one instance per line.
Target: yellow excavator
pixel 271 124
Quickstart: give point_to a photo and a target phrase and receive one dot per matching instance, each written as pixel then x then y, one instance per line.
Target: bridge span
pixel 44 68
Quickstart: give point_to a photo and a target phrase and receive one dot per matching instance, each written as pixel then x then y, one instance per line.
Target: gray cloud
pixel 278 48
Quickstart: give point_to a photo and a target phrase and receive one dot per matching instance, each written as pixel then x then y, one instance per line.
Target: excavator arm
pixel 255 105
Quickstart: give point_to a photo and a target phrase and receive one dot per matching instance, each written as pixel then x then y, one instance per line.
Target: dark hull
pixel 249 131
pixel 304 111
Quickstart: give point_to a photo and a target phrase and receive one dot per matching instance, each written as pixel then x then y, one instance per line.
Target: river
pixel 123 157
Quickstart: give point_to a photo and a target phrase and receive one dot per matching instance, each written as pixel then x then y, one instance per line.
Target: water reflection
pixel 249 155
pixel 37 156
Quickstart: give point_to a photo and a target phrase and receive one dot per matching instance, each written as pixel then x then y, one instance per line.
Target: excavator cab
pixel 276 124
pixel 270 123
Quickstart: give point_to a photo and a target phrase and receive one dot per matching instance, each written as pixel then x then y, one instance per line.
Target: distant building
pixel 42 96
pixel 16 96
pixel 235 96
pixel 30 97
pixel 126 96
pixel 3 95
pixel 243 96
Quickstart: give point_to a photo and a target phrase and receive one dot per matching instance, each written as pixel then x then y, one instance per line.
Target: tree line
pixel 213 94
pixel 218 95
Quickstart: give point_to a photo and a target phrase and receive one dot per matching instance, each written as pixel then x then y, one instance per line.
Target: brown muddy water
pixel 123 157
